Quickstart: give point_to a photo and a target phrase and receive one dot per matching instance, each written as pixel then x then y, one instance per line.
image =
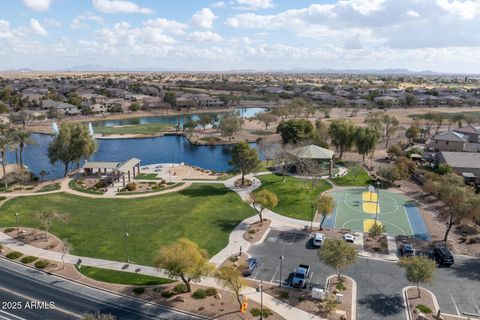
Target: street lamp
pixel 126 245
pixel 16 222
pixel 378 200
pixel 281 264
pixel 260 289
pixel 173 159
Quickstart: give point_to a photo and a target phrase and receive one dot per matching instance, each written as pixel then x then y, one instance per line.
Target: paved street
pixel 380 284
pixel 72 300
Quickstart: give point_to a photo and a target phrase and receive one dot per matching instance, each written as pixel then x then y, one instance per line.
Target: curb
pixel 353 313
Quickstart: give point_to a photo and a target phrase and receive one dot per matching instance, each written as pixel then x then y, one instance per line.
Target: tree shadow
pixel 383 305
pixel 469 269
pixel 204 191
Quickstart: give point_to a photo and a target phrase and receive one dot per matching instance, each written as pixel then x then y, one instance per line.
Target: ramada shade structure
pixel 314 152
pixel 116 169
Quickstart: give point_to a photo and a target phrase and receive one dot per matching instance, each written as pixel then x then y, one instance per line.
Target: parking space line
pixel 456 308
pixel 309 280
pixel 273 278
pixel 258 271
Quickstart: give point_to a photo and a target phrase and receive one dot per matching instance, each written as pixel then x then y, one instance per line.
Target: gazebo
pixel 117 170
pixel 314 152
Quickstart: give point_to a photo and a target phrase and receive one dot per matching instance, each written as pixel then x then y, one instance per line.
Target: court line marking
pixel 258 271
pixel 335 216
pixel 409 222
pixel 456 308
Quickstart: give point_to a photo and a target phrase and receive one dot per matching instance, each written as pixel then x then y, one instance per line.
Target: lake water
pixel 150 150
pixel 173 120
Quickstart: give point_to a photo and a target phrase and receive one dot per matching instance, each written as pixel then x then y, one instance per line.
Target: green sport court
pixel 356 208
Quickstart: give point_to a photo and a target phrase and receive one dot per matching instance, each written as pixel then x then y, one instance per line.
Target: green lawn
pixel 349 180
pixel 150 128
pixel 147 176
pixel 121 277
pixel 204 213
pixel 447 115
pixel 293 200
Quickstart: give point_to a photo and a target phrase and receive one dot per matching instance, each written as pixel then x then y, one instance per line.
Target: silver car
pixel 318 239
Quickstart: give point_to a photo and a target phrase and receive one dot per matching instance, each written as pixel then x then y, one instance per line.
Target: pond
pixel 165 149
pixel 173 120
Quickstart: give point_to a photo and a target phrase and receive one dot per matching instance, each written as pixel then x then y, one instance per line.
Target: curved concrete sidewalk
pixel 283 309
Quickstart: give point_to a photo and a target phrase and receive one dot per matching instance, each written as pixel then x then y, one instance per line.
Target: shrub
pixel 233 259
pixel 3 198
pixel 139 290
pixel 7 230
pixel 257 312
pixel 423 308
pixel 163 181
pixel 284 295
pixel 251 231
pixel 211 292
pixel 131 186
pixel 14 255
pixel 28 259
pixel 300 299
pixel 180 288
pixel 41 264
pixel 340 287
pixel 472 241
pixel 101 184
pixel 199 294
pixel 168 294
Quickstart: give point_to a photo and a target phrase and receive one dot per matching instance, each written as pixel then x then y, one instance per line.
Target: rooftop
pixel 461 159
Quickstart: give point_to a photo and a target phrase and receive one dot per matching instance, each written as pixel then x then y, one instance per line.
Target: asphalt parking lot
pixel 380 283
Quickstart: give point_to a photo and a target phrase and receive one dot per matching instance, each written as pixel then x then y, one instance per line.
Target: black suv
pixel 442 255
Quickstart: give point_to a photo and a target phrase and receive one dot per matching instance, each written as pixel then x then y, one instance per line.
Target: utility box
pixel 339 297
pixel 318 293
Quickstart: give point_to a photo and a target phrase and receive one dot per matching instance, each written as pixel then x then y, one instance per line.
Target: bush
pixel 139 290
pixel 101 184
pixel 251 231
pixel 284 295
pixel 3 198
pixel 233 259
pixel 180 288
pixel 257 312
pixel 7 230
pixel 163 181
pixel 41 264
pixel 168 294
pixel 131 186
pixel 14 255
pixel 199 294
pixel 211 292
pixel 340 287
pixel 472 240
pixel 423 308
pixel 28 259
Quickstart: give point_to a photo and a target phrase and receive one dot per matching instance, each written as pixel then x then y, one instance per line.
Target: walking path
pixel 283 309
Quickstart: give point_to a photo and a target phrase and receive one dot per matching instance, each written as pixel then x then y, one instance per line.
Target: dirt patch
pixel 36 238
pixel 375 245
pixel 345 288
pixel 256 231
pixel 416 303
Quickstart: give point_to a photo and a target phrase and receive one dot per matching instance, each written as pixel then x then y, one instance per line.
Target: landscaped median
pixel 204 213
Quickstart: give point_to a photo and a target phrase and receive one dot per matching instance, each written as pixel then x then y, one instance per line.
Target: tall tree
pixel 46 218
pixel 365 141
pixel 418 269
pixel 325 205
pixel 338 254
pixel 375 120
pixel 342 135
pixel 412 132
pixel 231 278
pixel 295 130
pixel 170 97
pixel 392 125
pixel 23 138
pixel 244 159
pixel 263 199
pixel 72 144
pixel 185 260
pixel 229 125
pixel 6 141
pixel 267 118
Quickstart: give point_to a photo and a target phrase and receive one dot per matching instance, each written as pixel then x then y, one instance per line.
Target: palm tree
pixel 5 143
pixel 23 138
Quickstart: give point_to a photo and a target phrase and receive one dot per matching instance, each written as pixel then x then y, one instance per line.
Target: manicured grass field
pixel 121 277
pixel 204 213
pixel 150 128
pixel 293 200
pixel 361 180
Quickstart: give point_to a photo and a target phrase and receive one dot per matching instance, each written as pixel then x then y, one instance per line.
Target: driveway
pixel 380 283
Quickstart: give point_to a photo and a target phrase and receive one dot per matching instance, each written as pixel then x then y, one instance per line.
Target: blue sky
pixel 438 35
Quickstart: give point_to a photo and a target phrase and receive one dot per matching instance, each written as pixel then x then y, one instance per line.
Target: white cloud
pixel 80 21
pixel 413 14
pixel 37 5
pixel 168 26
pixel 52 22
pixel 120 6
pixel 37 28
pixel 218 4
pixel 5 32
pixel 204 36
pixel 464 9
pixel 204 18
pixel 255 4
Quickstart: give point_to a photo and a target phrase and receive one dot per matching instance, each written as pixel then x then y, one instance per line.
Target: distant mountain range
pixel 99 68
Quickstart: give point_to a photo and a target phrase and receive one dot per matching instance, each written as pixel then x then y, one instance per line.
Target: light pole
pixel 173 159
pixel 16 223
pixel 126 246
pixel 378 200
pixel 260 289
pixel 281 265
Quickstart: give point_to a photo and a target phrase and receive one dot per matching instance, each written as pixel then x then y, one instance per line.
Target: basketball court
pixel 357 209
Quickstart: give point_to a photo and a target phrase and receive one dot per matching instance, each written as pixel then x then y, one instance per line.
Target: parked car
pixel 442 255
pixel 318 239
pixel 300 276
pixel 407 250
pixel 349 238
pixel 252 263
